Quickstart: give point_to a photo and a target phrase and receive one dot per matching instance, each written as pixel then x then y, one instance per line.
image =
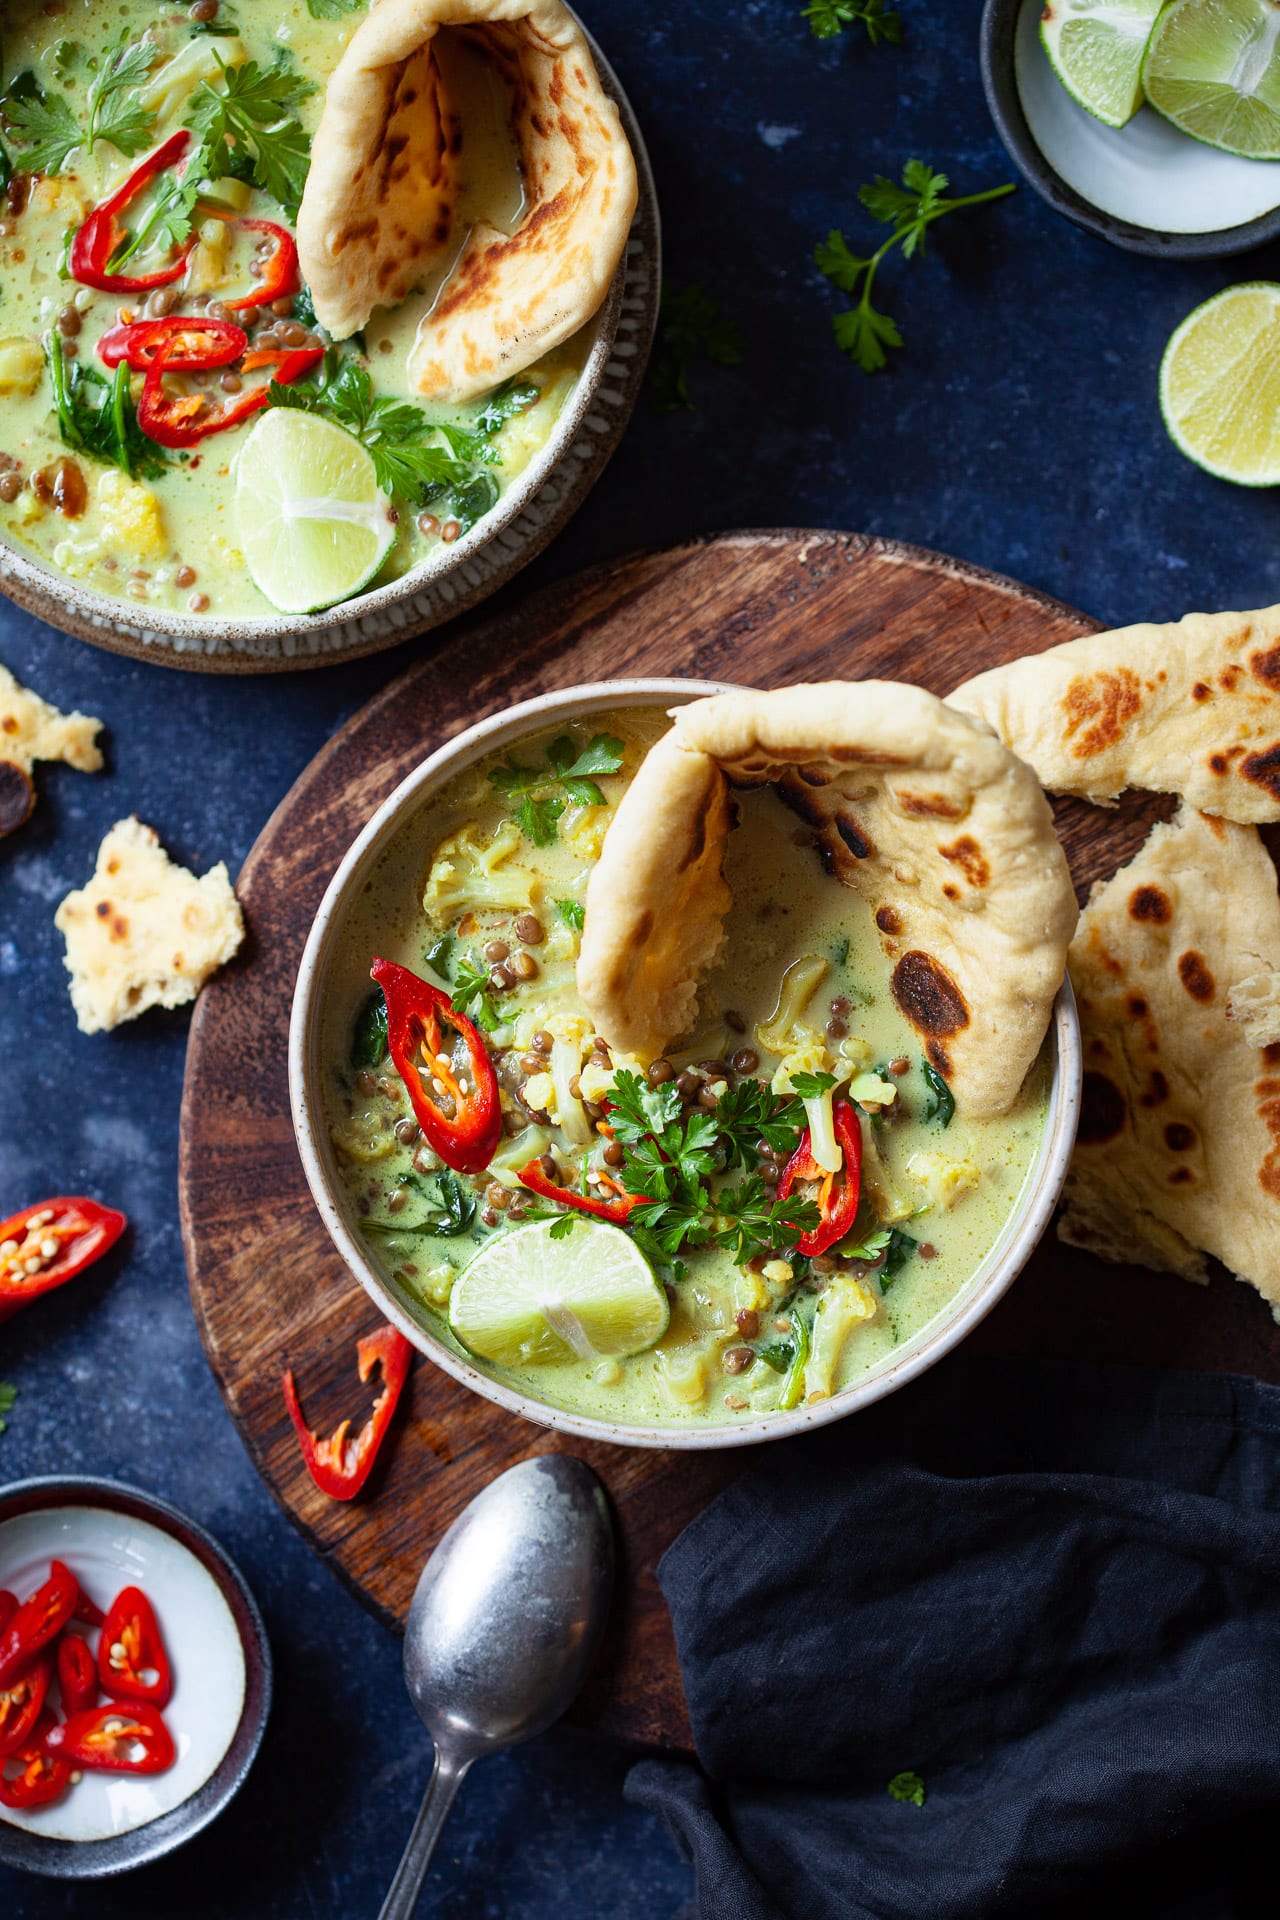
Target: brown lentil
pixel 199 602
pixel 738 1359
pixel 747 1321
pixel 549 1167
pixel 714 1069
pixel 529 929
pixel 688 1085
pixel 497 1196
pixel 407 1131
pixel 614 1155
pixel 840 1004
pixel 927 1250
pixel 495 950
pixel 501 979
pixel 231 382
pixel 524 967
pixel 428 525
pixel 488 1217
pixel 396 1200
pixel 900 1065
pixel 660 1071
pixel 69 322
pixel 532 1063
pixel 10 487
pixel 736 1022
pixel 450 531
pixel 837 1028
pixel 745 1060
pixel 543 1041
pixel 185 577
pixel 204 11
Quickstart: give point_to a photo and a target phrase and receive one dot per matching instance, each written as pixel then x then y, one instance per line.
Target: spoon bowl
pixel 505 1619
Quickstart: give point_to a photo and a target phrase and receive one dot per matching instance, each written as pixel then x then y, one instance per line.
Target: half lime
pixel 527 1297
pixel 1212 67
pixel 1095 47
pixel 312 522
pixel 1220 385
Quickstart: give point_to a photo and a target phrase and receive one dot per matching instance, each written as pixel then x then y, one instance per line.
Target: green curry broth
pixel 171 542
pixel 784 907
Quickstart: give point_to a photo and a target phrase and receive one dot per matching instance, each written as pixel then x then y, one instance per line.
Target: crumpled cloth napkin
pixel 1053 1592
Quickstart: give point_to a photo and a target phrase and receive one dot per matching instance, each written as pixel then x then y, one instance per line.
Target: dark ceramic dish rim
pixel 97 1859
pixel 999 80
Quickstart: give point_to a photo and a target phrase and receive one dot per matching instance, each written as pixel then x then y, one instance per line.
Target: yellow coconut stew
pixel 643 1241
pixel 179 429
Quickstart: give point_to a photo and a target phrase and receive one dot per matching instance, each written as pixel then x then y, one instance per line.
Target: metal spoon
pixel 505 1619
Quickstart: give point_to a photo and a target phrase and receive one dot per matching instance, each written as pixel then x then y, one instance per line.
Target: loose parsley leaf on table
pixel 942 1102
pixel 8 1394
pixel 690 327
pixel 863 332
pixel 827 18
pixel 567 768
pixel 906 1786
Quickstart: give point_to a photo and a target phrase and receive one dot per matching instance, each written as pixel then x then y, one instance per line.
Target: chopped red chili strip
pixel 77 1674
pixel 98 241
pixel 21 1703
pixel 181 420
pixel 340 1466
pixel 188 341
pixel 131 1647
pixel 417 1014
pixel 36 1777
pixel 37 1621
pixel 91 1615
pixel 280 275
pixel 113 1739
pixel 837 1194
pixel 50 1243
pixel 535 1178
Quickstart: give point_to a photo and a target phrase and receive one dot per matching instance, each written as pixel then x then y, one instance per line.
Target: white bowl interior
pixel 1025 1225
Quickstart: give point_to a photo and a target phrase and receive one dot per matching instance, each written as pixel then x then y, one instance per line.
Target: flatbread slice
pixel 1178 1153
pixel 919 808
pixel 144 932
pixel 31 730
pixel 378 213
pixel 1191 708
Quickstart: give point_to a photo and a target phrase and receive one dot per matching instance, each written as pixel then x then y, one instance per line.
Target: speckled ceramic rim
pixel 98 1859
pixel 455 578
pixel 999 79
pixel 306 1068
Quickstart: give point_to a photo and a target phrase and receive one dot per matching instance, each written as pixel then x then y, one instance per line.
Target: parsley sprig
pixel 45 128
pixel 862 331
pixel 569 771
pixel 691 327
pixel 827 18
pixel 248 129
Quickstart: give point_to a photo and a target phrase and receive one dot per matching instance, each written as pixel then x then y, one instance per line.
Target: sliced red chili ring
pixel 188 341
pixel 37 1621
pixel 132 1647
pixel 76 1231
pixel 37 1777
pixel 21 1703
pixel 534 1177
pixel 8 1607
pixel 98 241
pixel 129 1738
pixel 340 1466
pixel 181 420
pixel 281 278
pixel 837 1195
pixel 417 1014
pixel 77 1674
pixel 87 1611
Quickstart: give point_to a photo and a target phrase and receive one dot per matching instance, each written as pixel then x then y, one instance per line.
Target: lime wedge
pixel 526 1297
pixel 1220 385
pixel 1095 47
pixel 311 520
pixel 1213 68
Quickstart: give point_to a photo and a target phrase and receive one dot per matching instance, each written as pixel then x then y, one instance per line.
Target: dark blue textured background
pixel 1019 428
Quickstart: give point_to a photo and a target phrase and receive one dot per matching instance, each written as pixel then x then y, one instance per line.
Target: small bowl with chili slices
pixel 135 1678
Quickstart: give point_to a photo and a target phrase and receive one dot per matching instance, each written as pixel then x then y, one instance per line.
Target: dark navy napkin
pixel 1052 1592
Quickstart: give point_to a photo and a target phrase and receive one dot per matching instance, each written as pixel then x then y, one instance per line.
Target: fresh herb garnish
pixel 750 1223
pixel 8 1394
pixel 46 129
pixel 862 331
pixel 41 125
pixel 115 112
pixel 248 128
pixel 942 1102
pixel 332 9
pixel 564 1226
pixel 811 1086
pixel 471 992
pixel 369 1045
pixel 439 956
pixel 98 418
pixel 827 18
pixel 749 1113
pixel 898 1250
pixel 573 913
pixel 690 328
pixel 451 1203
pixel 566 768
pixel 906 1786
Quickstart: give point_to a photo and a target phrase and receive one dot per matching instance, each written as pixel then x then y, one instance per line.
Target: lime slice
pixel 1220 385
pixel 1095 47
pixel 1213 68
pixel 311 520
pixel 526 1297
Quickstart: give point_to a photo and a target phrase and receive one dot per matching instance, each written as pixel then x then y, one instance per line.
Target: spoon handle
pixel 446 1777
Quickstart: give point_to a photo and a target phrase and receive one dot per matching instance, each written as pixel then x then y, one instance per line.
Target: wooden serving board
pixel 764 609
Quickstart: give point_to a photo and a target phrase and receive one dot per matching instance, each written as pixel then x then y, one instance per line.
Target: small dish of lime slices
pixel 1154 122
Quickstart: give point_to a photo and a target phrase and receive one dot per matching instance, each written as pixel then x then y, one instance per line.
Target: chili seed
pixel 543 1041
pixel 659 1073
pixel 495 950
pixel 747 1321
pixel 745 1060
pixel 185 577
pixel 450 531
pixel 524 967
pixel 738 1359
pixel 429 525
pixel 529 929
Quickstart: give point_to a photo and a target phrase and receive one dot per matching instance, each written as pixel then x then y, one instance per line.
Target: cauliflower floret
pixel 365 1136
pixel 869 1090
pixel 540 1095
pixel 858 1052
pixel 890 1203
pixel 807 1053
pixel 436 1284
pixel 21 365
pixel 468 871
pixel 682 1373
pixel 584 828
pixel 799 984
pixel 945 1180
pixel 843 1306
pixel 131 515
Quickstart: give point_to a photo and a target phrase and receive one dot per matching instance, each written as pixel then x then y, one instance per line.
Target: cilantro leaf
pixel 942 1102
pixel 565 768
pixel 862 332
pixel 42 127
pixel 827 18
pixel 573 913
pixel 8 1394
pixel 332 9
pixel 538 819
pixel 252 112
pixel 907 1787
pixel 115 112
pixel 690 328
pixel 811 1086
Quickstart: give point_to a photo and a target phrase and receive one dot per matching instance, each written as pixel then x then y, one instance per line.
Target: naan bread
pixel 379 208
pixel 944 831
pixel 1191 708
pixel 31 730
pixel 144 932
pixel 1178 1153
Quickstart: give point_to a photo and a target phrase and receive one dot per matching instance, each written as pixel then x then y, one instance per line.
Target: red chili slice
pixel 837 1195
pixel 114 1738
pixel 131 1647
pixel 83 1232
pixel 182 420
pixel 281 278
pixel 37 1621
pixel 77 1674
pixel 98 240
pixel 36 1778
pixel 8 1607
pixel 417 1013
pixel 340 1466
pixel 21 1703
pixel 187 341
pixel 86 1611
pixel 617 1210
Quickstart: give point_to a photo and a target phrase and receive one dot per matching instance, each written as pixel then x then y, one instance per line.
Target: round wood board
pixel 764 609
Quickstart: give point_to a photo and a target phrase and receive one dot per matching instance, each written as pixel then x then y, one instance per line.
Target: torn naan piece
pixel 943 830
pixel 1176 969
pixel 1191 708
pixel 380 210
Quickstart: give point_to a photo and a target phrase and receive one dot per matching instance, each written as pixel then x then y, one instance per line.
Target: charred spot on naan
pixel 1150 904
pixel 932 1002
pixel 1098 707
pixel 966 854
pixel 1104 1113
pixel 1196 977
